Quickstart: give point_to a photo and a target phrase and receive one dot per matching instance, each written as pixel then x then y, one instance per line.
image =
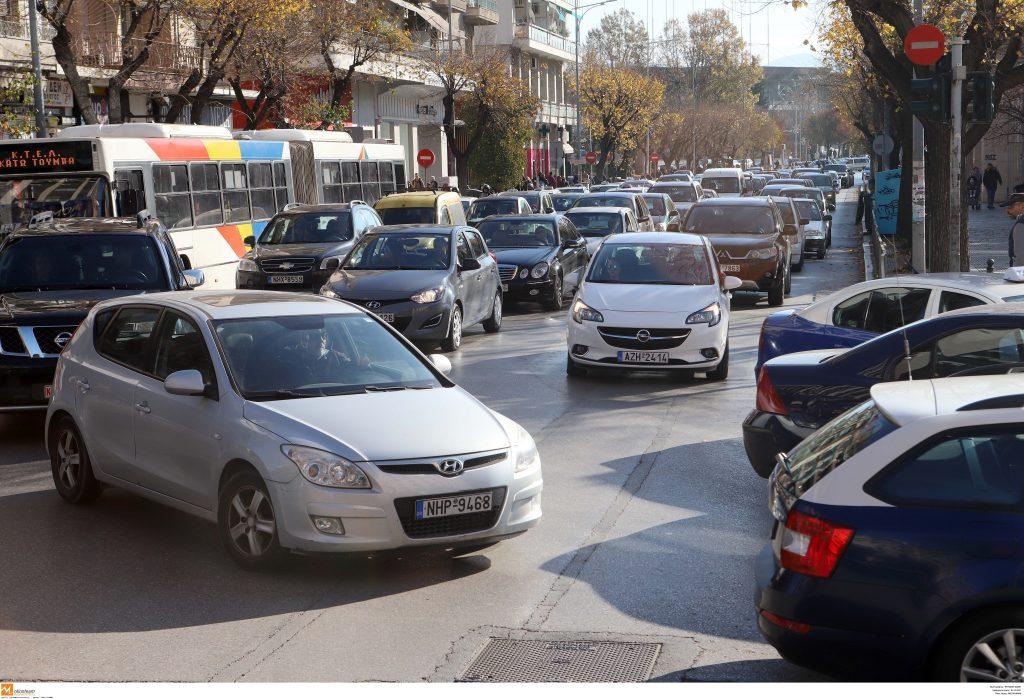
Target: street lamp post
pixel 578 17
pixel 37 69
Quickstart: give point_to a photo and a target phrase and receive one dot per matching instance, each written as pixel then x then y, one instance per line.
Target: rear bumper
pixel 23 381
pixel 767 434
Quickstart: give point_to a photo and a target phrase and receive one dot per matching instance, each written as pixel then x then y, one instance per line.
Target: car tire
pixel 777 293
pixel 721 372
pixel 70 465
pixel 453 340
pixel 799 266
pixel 828 238
pixel 493 324
pixel 574 369
pixel 789 280
pixel 822 251
pixel 247 523
pixel 556 301
pixel 958 649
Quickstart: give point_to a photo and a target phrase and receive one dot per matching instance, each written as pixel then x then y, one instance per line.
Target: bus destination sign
pixel 55 156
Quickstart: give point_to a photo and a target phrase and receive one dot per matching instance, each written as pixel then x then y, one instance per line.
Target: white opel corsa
pixel 652 301
pixel 295 422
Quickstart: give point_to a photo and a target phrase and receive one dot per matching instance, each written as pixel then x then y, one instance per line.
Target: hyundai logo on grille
pixel 643 336
pixel 62 339
pixel 449 467
pixel 373 304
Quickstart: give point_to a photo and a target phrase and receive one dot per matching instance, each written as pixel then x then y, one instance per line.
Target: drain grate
pixel 510 660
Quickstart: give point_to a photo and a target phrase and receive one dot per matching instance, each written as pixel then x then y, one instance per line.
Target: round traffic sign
pixel 883 144
pixel 655 157
pixel 425 157
pixel 591 158
pixel 924 44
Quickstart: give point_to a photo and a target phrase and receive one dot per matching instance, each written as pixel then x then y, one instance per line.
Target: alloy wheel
pixel 497 309
pixel 251 524
pixel 69 460
pixel 456 328
pixel 998 657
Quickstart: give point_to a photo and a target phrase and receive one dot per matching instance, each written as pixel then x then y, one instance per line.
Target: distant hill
pixel 797 60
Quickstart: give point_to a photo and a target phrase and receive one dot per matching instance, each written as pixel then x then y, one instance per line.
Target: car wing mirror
pixel 826 217
pixel 469 264
pixel 730 283
pixel 331 264
pixel 250 241
pixel 441 363
pixel 194 278
pixel 187 382
pixel 672 226
pixel 831 207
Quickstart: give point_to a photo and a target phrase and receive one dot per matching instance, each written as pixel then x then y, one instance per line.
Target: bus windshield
pixel 73 196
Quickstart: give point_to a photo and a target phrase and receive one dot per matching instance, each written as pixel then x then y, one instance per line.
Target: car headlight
pixel 711 315
pixel 763 254
pixel 525 448
pixel 539 270
pixel 582 312
pixel 429 296
pixel 247 265
pixel 324 468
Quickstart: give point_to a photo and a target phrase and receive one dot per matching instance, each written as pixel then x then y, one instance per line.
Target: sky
pixel 773 30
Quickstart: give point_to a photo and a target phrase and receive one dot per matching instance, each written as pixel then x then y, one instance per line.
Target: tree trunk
pixel 65 56
pixel 905 215
pixel 181 98
pixel 204 94
pixel 937 168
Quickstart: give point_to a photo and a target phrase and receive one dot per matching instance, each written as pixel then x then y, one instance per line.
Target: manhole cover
pixel 510 660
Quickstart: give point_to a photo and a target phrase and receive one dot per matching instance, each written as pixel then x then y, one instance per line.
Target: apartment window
pixel 236 196
pixel 206 197
pixel 173 206
pixel 261 191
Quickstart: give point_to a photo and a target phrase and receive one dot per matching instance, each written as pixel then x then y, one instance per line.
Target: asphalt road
pixel 652 517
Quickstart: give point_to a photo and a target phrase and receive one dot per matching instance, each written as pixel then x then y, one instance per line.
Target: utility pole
pixel 918 253
pixel 959 74
pixel 578 17
pixel 37 69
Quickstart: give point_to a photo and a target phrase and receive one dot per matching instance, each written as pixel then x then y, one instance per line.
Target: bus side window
pixel 350 176
pixel 206 197
pixel 280 185
pixel 236 193
pixel 129 192
pixel 400 183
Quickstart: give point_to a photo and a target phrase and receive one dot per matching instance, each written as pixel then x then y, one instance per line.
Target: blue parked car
pixel 863 311
pixel 898 541
pixel 798 393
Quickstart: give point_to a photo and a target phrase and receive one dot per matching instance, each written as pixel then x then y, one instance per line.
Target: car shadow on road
pixel 126 564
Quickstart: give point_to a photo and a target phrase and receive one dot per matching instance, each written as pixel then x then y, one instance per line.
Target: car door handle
pixel 83 385
pixel 143 407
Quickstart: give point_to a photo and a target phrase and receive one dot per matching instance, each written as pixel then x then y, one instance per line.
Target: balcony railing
pixel 18 29
pixel 541 35
pixel 164 56
pixel 484 4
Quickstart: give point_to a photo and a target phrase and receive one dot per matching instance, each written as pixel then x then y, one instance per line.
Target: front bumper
pixel 23 381
pixel 311 281
pixel 756 275
pixel 814 243
pixel 687 355
pixel 529 288
pixel 381 519
pixel 767 434
pixel 417 321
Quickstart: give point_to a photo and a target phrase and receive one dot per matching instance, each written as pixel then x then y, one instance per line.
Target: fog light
pixel 328 525
pixel 534 292
pixel 436 320
pixel 580 349
pixel 710 352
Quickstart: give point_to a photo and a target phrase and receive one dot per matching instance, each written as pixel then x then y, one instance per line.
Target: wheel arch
pixel 51 421
pixel 948 627
pixel 233 468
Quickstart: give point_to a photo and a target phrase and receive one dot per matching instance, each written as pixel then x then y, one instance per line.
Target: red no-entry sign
pixel 655 157
pixel 425 157
pixel 591 158
pixel 924 44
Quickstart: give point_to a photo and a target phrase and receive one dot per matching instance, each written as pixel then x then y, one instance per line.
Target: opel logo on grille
pixel 286 265
pixel 373 304
pixel 643 336
pixel 450 467
pixel 62 339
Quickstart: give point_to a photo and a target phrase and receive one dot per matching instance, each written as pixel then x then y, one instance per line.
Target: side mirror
pixel 194 278
pixel 331 264
pixel 441 363
pixel 730 283
pixel 831 207
pixel 826 217
pixel 250 241
pixel 187 382
pixel 469 264
pixel 673 225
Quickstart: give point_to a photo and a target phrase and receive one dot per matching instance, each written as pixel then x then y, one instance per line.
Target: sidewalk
pixel 988 232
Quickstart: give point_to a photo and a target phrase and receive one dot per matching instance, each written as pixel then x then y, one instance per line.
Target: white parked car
pixel 294 422
pixel 652 301
pixel 815 227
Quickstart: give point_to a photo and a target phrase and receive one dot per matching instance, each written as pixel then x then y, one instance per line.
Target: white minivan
pixel 726 181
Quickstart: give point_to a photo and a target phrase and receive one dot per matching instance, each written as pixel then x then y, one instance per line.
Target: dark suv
pixel 52 274
pixel 303 245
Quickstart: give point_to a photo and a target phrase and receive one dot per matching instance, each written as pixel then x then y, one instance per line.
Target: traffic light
pixel 982 96
pixel 929 97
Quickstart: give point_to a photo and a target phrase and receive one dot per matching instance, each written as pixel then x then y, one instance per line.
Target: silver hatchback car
pixel 295 422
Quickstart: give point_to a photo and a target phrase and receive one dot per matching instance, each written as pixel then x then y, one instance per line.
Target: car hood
pixel 54 307
pixel 815 227
pixel 647 298
pixel 269 252
pixel 740 241
pixel 367 283
pixel 522 257
pixel 385 426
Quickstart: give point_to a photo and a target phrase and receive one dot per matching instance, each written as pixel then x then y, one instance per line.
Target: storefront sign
pixel 57 93
pixel 63 156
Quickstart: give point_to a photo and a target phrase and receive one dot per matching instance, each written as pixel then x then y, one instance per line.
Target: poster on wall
pixel 887 201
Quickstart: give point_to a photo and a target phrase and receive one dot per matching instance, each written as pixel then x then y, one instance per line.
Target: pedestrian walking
pixel 974 189
pixel 417 183
pixel 433 184
pixel 1015 210
pixel 991 179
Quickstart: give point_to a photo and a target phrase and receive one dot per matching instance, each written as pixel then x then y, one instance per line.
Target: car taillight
pixel 768 400
pixel 788 624
pixel 812 546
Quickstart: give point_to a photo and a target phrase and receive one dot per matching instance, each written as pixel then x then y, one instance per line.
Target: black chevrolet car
pixel 302 246
pixel 540 257
pixel 53 273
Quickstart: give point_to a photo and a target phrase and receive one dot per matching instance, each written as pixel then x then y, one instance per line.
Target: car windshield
pixel 520 233
pixel 401 250
pixel 324 355
pixel 64 197
pixel 625 200
pixel 482 208
pixel 814 194
pixel 722 185
pixel 713 219
pixel 657 206
pixel 651 263
pixel 678 193
pixel 309 228
pixel 808 209
pixel 404 216
pixel 820 180
pixel 81 261
pixel 596 224
pixel 564 201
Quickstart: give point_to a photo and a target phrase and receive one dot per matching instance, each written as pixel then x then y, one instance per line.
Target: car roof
pixel 416 228
pixel 64 226
pixel 1016 308
pixel 598 209
pixel 735 201
pixel 319 208
pixel 409 199
pixel 649 237
pixel 904 402
pixel 524 217
pixel 240 303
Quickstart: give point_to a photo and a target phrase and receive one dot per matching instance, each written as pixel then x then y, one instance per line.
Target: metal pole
pixel 37 69
pixel 956 99
pixel 918 242
pixel 579 135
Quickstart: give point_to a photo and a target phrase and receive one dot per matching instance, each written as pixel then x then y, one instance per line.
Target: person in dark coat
pixel 991 179
pixel 1015 210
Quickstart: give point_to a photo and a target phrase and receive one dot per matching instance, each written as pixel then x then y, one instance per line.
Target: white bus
pixel 211 189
